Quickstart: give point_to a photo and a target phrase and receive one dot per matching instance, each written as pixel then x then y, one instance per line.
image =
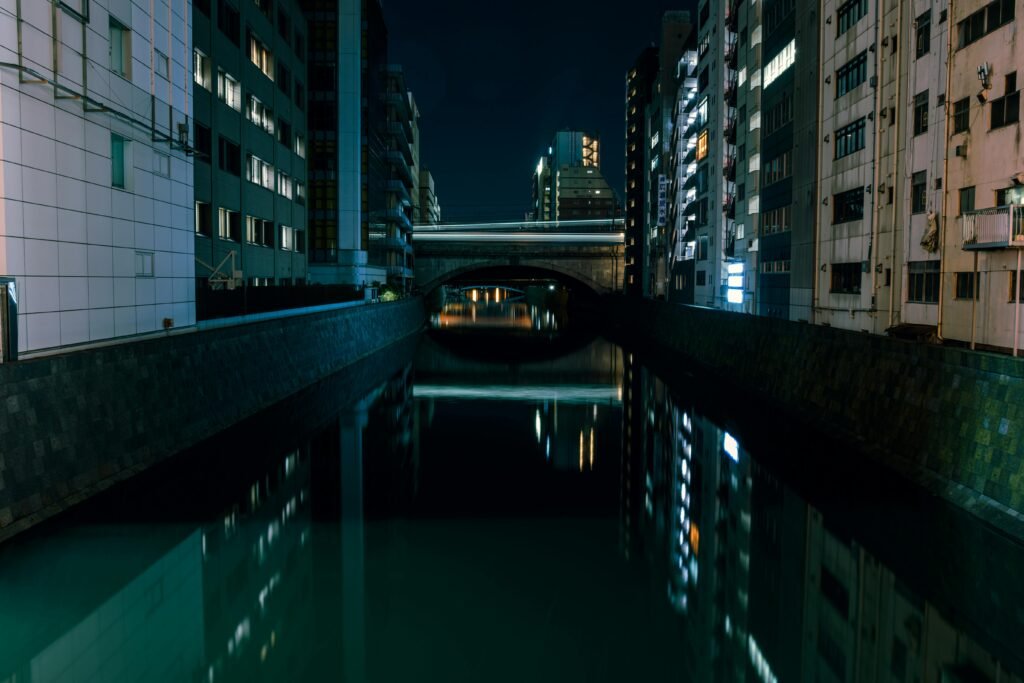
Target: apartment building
pixel 980 282
pixel 250 128
pixel 428 209
pixel 96 240
pixel 639 92
pixel 568 183
pixel 682 180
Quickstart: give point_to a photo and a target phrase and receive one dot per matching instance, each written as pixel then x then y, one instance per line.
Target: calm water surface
pixel 516 505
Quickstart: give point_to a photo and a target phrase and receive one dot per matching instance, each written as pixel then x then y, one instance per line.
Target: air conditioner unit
pixel 183 133
pixel 961 151
pixel 873 81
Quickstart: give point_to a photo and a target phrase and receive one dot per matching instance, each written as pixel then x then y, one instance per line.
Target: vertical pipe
pixel 1016 308
pixel 974 300
pixel 896 180
pixel 945 170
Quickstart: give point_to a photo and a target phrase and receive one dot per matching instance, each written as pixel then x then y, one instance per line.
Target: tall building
pixel 983 200
pixel 428 207
pixel 391 227
pixel 251 141
pixel 97 184
pixel 639 92
pixel 682 192
pixel 573 163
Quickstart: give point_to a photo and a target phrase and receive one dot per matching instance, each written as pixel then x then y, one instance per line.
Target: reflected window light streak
pixel 536 424
pixel 731 447
pixel 547 449
pixel 591 448
pixel 581 450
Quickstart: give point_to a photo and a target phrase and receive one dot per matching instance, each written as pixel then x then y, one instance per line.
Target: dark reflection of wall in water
pixel 532 311
pixel 767 589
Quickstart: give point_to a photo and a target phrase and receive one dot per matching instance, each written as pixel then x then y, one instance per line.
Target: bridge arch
pixel 503 268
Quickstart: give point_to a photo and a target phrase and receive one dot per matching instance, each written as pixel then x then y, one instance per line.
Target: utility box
pixel 8 320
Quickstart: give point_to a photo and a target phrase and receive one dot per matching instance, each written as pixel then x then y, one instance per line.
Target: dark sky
pixel 495 81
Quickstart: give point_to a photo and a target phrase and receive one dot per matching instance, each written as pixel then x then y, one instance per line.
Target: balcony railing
pixel 998 228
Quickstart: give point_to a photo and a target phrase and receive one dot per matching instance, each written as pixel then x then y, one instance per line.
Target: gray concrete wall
pixel 950 418
pixel 72 425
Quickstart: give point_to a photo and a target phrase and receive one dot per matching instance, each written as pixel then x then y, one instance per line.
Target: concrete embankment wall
pixel 72 425
pixel 950 418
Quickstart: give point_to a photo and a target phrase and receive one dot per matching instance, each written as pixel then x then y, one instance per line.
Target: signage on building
pixel 662 200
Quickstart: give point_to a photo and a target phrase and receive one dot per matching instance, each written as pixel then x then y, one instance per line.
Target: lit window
pixel 702 145
pixel 229 90
pixel 780 62
pixel 260 55
pixel 229 225
pixel 260 172
pixel 260 114
pixel 285 185
pixel 201 69
pixel 120 48
pixel 300 146
pixel 259 231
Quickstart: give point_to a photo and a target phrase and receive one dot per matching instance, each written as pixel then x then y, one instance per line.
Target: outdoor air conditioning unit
pixel 961 151
pixel 873 81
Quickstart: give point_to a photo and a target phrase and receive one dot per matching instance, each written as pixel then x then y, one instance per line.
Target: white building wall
pixel 70 239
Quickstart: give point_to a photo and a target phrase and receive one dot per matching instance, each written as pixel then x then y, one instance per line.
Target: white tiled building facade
pixel 96 187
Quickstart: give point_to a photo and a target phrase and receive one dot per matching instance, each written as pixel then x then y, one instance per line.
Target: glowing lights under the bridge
pixel 546 237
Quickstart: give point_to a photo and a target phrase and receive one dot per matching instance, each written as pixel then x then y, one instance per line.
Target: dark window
pixel 300 96
pixel 776 220
pixel 850 139
pixel 921 113
pixel 703 79
pixel 204 219
pixel 228 21
pixel 1013 288
pixel 775 13
pixel 849 13
pixel 962 115
pixel 300 46
pixel 777 169
pixel 967 284
pixel 702 248
pixel 898 662
pixel 284 79
pixel 848 206
pixel 924 34
pixel 230 157
pixel 985 20
pixel 266 7
pixel 202 5
pixel 923 282
pixel 831 587
pixel 284 133
pixel 284 25
pixel 779 114
pixel 203 141
pixel 702 278
pixel 1006 109
pixel 705 14
pixel 919 192
pixel 852 74
pixel 966 200
pixel 845 280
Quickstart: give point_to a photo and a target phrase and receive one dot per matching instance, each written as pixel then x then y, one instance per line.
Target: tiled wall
pixel 68 237
pixel 71 425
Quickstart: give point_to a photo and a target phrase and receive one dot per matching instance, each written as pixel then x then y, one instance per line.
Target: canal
pixel 525 501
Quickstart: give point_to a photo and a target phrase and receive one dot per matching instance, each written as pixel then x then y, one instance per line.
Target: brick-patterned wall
pixel 942 414
pixel 72 425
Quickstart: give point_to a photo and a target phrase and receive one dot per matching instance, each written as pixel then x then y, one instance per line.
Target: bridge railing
pixel 585 226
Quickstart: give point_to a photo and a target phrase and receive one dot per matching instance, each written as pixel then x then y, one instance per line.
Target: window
pixel 968 284
pixel 284 25
pixel 260 172
pixel 919 192
pixel 835 592
pixel 203 140
pixel 265 6
pixel 923 282
pixel 259 114
pixel 852 74
pixel 300 96
pixel 1014 290
pixel 961 115
pixel 284 79
pixel 702 145
pixel 285 186
pixel 161 67
pixel 848 206
pixel 204 219
pixel 143 264
pixel 1006 109
pixel 300 46
pixel 201 69
pixel 777 169
pixel 778 266
pixel 779 63
pixel 300 192
pixel 118 161
pixel 966 200
pixel 776 220
pixel 850 139
pixel 161 164
pixel 779 114
pixel 120 48
pixel 985 20
pixel 228 21
pixel 229 225
pixel 260 55
pixel 300 146
pixel 284 133
pixel 846 278
pixel 849 13
pixel 259 232
pixel 921 113
pixel 775 12
pixel 702 248
pixel 1010 195
pixel 229 90
pixel 202 5
pixel 924 34
pixel 291 239
pixel 230 157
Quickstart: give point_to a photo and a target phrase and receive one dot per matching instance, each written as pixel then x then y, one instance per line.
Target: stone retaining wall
pixel 951 416
pixel 72 425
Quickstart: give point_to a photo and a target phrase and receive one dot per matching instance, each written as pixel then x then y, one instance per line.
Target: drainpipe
pixel 873 249
pixel 816 284
pixel 974 299
pixel 1017 302
pixel 945 183
pixel 896 181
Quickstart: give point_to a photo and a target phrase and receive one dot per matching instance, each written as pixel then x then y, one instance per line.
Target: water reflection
pixel 535 310
pixel 568 519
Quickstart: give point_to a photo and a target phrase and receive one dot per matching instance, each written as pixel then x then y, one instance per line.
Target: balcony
pixel 998 228
pixel 729 206
pixel 730 132
pixel 729 168
pixel 731 54
pixel 730 92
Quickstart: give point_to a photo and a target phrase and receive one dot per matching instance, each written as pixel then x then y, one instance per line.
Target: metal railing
pixel 998 228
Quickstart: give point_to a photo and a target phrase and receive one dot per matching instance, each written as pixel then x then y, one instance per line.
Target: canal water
pixel 521 503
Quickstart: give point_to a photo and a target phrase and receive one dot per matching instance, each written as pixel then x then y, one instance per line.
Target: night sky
pixel 494 82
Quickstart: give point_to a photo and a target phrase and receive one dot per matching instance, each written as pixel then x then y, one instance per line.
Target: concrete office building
pixel 639 91
pixel 250 122
pixel 984 189
pixel 682 177
pixel 97 181
pixel 428 208
pixel 583 193
pixel 569 150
